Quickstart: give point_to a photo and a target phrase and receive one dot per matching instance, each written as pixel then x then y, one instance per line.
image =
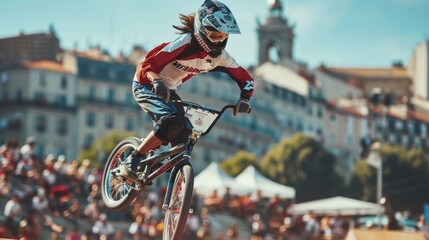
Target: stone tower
pixel 275 35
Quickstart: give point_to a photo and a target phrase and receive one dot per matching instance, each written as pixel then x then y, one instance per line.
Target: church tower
pixel 275 35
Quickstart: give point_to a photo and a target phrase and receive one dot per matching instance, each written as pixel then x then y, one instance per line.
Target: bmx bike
pixel 118 192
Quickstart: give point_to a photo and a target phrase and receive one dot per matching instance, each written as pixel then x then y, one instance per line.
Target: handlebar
pixel 217 112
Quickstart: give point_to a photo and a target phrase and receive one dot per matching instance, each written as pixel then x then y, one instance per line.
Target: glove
pixel 160 89
pixel 242 106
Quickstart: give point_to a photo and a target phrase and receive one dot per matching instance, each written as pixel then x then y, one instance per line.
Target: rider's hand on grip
pixel 160 89
pixel 242 106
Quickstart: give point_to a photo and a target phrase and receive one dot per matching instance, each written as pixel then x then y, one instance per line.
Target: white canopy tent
pixel 337 205
pixel 250 181
pixel 212 178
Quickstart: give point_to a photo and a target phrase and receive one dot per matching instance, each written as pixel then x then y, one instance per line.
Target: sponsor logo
pixel 249 85
pixel 187 68
pixel 199 122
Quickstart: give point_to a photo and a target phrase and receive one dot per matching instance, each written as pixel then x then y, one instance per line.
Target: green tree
pixel 237 163
pixel 303 163
pixel 405 178
pixel 101 148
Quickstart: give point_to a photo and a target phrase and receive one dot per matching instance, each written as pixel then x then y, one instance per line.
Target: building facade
pixel 38 99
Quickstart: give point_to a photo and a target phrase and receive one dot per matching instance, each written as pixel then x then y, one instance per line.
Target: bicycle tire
pixel 180 203
pixel 124 194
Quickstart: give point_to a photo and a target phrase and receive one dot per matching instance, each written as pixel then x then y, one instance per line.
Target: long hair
pixel 187 23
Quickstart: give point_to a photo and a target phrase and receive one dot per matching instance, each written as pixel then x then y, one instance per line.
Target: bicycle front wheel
pixel 116 194
pixel 180 202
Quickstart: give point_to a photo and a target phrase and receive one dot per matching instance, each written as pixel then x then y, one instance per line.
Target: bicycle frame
pixel 182 152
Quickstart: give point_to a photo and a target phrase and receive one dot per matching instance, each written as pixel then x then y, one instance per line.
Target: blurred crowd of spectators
pixel 268 218
pixel 61 197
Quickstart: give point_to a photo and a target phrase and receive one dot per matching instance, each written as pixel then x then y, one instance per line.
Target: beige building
pixel 418 69
pixel 38 99
pixel 393 80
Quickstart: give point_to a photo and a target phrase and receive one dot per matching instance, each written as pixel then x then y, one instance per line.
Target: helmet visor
pixel 214 36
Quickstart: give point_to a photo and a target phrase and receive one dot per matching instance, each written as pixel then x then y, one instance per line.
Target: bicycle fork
pixel 172 177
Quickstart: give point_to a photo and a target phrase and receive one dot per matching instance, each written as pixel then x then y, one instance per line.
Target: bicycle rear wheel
pixel 116 194
pixel 180 202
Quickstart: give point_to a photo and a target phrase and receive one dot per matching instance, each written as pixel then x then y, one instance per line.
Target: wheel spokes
pixel 173 212
pixel 117 189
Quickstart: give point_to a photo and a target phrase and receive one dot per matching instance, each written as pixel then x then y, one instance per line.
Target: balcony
pixel 37 105
pixel 105 103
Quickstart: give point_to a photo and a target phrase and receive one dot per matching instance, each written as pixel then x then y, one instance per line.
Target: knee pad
pixel 170 127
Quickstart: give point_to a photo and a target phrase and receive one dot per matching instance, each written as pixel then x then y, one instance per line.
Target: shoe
pixel 130 166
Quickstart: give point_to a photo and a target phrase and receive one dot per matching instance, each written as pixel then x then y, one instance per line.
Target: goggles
pixel 215 36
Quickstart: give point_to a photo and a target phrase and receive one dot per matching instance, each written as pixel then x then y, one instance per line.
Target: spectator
pixel 312 226
pixel 9 155
pixel 103 227
pixel 227 196
pixel 92 211
pixel 283 230
pixel 71 173
pixel 145 210
pixel 28 163
pixel 60 168
pixel 29 227
pixel 258 227
pixel 203 232
pixel 5 185
pixel 13 214
pixel 73 212
pixel 213 202
pixel 325 228
pixel 28 150
pixel 73 235
pixel 137 229
pixel 235 207
pixel 152 232
pixel 232 233
pixel 192 226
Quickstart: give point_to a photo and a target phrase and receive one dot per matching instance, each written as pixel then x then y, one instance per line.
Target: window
pixel 62 126
pixel 91 92
pixel 42 79
pixel 40 97
pixel 19 95
pixel 129 124
pixel 89 138
pixel 129 100
pixel 61 100
pixel 410 126
pixel 319 112
pixel 109 122
pixel 4 96
pixel 102 72
pixel 111 95
pixel 41 123
pixel 4 78
pixel 63 82
pixel 90 119
pixel 15 122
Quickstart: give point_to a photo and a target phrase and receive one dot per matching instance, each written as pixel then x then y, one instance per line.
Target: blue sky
pixel 348 33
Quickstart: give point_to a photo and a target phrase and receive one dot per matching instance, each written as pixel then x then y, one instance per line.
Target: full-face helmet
pixel 212 26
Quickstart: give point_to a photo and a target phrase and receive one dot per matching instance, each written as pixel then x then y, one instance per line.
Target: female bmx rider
pixel 199 48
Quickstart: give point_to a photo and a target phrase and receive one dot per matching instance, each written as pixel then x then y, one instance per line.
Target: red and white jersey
pixel 179 60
